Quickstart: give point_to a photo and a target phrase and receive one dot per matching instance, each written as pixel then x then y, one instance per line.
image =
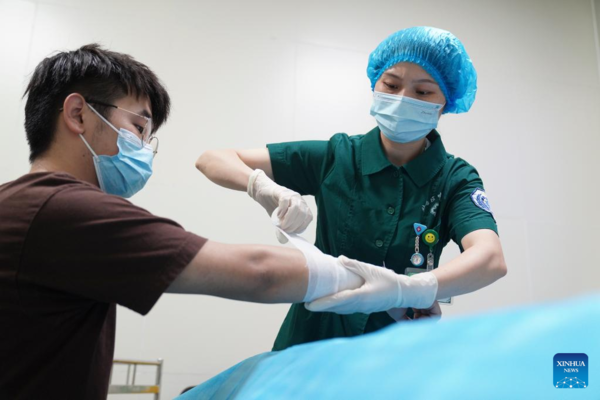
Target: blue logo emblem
pixel 571 371
pixel 480 199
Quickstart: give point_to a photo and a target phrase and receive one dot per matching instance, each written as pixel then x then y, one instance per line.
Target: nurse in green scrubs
pixel 392 197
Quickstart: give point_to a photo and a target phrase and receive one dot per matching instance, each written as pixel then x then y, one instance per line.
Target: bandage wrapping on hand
pixel 325 273
pixel 326 276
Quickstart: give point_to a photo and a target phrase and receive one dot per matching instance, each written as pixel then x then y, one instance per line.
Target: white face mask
pixel 404 119
pixel 127 172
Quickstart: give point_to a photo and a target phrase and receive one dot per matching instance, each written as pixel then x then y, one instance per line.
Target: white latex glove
pixel 398 314
pixel 382 291
pixel 293 213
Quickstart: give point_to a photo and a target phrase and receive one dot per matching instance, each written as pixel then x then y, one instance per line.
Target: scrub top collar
pixel 421 170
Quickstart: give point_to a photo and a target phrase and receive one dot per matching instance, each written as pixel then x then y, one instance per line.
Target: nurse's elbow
pixel 501 269
pixel 203 161
pixel 497 265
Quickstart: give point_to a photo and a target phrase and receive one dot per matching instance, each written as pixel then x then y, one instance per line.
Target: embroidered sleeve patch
pixel 480 199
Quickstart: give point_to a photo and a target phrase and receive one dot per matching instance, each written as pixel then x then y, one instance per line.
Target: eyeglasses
pixel 142 123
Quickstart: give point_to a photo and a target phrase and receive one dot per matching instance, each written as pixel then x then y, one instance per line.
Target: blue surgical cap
pixel 439 53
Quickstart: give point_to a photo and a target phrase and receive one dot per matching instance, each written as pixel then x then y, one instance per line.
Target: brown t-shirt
pixel 68 254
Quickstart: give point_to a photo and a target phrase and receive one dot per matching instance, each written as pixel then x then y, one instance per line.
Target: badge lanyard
pixel 430 238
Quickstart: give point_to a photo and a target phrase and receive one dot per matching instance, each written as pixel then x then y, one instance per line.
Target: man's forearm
pixel 264 274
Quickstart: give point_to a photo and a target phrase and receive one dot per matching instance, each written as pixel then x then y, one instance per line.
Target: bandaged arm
pixel 263 274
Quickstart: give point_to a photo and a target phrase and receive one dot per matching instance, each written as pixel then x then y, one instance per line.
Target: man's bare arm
pixel 257 273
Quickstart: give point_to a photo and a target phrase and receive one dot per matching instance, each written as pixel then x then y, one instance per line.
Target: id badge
pixel 413 271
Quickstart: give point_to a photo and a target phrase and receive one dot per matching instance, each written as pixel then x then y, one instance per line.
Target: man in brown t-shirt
pixel 71 247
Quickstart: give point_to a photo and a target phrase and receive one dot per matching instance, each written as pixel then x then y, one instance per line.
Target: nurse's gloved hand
pixel 382 291
pixel 293 213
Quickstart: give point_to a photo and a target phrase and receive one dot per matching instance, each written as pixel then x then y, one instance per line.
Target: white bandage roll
pixel 326 275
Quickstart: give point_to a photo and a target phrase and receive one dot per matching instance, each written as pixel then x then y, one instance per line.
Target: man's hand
pixel 399 314
pixel 434 312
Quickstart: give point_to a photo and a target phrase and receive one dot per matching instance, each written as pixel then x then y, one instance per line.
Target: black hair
pixel 95 73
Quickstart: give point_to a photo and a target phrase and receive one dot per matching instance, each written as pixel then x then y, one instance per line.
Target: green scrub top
pixel 367 208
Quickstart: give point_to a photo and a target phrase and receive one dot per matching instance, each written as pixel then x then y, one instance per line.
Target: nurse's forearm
pixel 481 264
pixel 232 168
pixel 225 168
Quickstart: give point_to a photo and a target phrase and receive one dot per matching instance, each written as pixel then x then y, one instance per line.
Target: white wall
pixel 596 15
pixel 242 74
